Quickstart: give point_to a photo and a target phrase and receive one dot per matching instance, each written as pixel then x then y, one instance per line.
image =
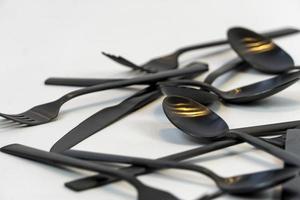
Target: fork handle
pixel 272 34
pixel 149 79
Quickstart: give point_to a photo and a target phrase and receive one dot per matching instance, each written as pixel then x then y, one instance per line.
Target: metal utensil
pixel 170 61
pixel 259 51
pixel 144 192
pixel 47 112
pixel 261 130
pixel 290 190
pixel 104 118
pixel 173 63
pixel 107 116
pixel 248 93
pixel 241 184
pixel 200 122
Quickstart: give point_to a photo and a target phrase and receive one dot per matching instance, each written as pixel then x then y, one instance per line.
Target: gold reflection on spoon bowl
pixel 236 91
pixel 233 180
pixel 257 46
pixel 188 109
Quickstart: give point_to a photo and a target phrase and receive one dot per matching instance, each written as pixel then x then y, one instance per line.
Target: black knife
pixel 105 117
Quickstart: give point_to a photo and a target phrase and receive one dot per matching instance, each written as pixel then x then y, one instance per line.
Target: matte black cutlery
pixel 109 115
pixel 105 117
pixel 240 184
pixel 144 192
pixel 171 65
pixel 47 112
pixel 185 107
pixel 79 82
pixel 261 130
pixel 259 52
pixel 290 190
pixel 200 122
pixel 170 61
pixel 244 94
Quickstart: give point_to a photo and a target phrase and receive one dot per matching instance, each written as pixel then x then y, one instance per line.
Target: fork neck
pixel 200 46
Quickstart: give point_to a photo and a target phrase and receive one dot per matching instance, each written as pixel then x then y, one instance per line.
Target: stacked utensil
pixel 187 107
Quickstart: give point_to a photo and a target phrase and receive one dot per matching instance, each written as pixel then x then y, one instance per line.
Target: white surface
pixel 39 39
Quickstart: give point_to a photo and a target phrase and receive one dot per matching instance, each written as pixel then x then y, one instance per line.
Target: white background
pixel 39 39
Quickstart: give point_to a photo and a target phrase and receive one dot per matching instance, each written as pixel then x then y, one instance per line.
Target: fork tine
pixel 125 62
pixel 12 117
pixel 121 60
pixel 21 118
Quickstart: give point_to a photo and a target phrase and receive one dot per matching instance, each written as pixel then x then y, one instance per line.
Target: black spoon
pixel 144 192
pixel 265 62
pixel 259 51
pixel 200 122
pixel 241 184
pixel 245 94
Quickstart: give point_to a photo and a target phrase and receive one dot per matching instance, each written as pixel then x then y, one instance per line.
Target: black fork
pixel 170 61
pixel 47 112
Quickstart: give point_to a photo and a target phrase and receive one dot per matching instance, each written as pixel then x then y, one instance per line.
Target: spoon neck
pixel 203 85
pixel 196 168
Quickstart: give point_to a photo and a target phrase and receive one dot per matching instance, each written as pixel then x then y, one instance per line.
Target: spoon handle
pixel 232 64
pixel 288 157
pixel 272 34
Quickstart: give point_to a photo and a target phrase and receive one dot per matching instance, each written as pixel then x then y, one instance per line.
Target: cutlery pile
pixel 187 106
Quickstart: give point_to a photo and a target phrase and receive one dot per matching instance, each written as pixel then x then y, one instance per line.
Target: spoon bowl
pixel 259 51
pixel 187 114
pixel 247 183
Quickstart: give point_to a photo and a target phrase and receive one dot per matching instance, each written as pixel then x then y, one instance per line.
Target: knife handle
pixel 78 82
